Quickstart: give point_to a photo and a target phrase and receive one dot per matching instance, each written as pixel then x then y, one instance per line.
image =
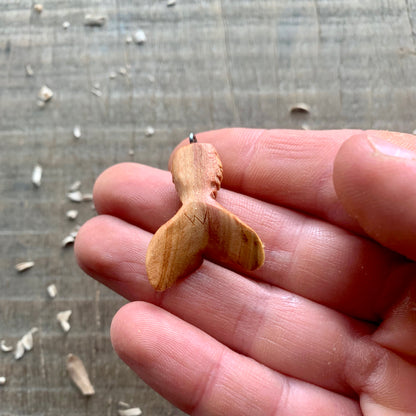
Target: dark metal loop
pixel 192 138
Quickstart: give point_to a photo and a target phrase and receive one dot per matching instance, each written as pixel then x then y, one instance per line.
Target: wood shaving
pixel 170 3
pixel 4 347
pixel 139 37
pixel 78 374
pixel 66 25
pixel 37 175
pixel 112 75
pixel 122 71
pixel 133 411
pixel 129 39
pixel 97 92
pixel 27 339
pixel 2 380
pixel 45 94
pixel 25 265
pixel 19 351
pixel 75 196
pixel 29 70
pixel 74 186
pixel 72 214
pixel 93 20
pixel 69 239
pixel 38 8
pixel 150 131
pixel 63 319
pixel 123 404
pixel 77 132
pixel 52 291
pixel 300 108
pixel 87 197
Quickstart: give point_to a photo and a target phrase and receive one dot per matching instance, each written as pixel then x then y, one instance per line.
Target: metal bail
pixel 192 138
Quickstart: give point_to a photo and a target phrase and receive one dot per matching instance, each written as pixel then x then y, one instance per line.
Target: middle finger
pixel 283 331
pixel 304 255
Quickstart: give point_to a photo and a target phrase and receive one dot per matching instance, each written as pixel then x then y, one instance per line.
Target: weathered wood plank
pixel 206 64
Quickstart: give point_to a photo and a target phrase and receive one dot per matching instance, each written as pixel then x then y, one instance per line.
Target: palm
pixel 308 333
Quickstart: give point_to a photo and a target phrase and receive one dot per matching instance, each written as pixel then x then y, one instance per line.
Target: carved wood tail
pixel 199 230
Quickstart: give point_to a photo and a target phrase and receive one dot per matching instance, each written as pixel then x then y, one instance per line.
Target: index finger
pixel 291 168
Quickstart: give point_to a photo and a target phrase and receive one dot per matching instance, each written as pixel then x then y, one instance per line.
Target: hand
pixel 326 327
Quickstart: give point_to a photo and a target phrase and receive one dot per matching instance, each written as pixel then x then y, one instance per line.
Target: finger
pixel 398 330
pixel 139 194
pixel 272 326
pixel 280 330
pixel 376 182
pixel 304 255
pixel 292 168
pixel 114 253
pixel 202 376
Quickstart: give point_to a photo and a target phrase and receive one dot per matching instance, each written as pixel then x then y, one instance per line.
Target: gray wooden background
pixel 205 65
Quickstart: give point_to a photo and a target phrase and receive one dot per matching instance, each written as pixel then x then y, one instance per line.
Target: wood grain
pixel 202 228
pixel 206 64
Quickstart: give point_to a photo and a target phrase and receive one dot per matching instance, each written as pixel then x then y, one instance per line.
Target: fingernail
pixel 386 148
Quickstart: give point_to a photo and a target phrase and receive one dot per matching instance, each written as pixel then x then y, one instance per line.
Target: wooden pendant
pixel 202 228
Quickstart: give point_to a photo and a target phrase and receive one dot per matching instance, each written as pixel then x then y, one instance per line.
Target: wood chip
pixel 25 265
pixel 170 3
pixel 24 344
pixel 27 339
pixel 4 347
pixel 74 186
pixel 37 175
pixel 29 70
pixel 45 94
pixel 87 197
pixel 38 7
pixel 112 75
pixel 78 374
pixel 66 25
pixel 129 39
pixel 133 411
pixel 72 214
pixel 63 319
pixel 97 92
pixel 68 240
pixel 19 352
pixel 52 291
pixel 122 71
pixel 123 404
pixel 77 132
pixel 75 196
pixel 2 380
pixel 300 108
pixel 95 20
pixel 150 131
pixel 140 37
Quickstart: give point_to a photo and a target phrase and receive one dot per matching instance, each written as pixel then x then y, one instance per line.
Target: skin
pixel 326 327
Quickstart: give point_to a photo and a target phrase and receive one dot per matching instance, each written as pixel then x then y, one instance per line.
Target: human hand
pixel 326 327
